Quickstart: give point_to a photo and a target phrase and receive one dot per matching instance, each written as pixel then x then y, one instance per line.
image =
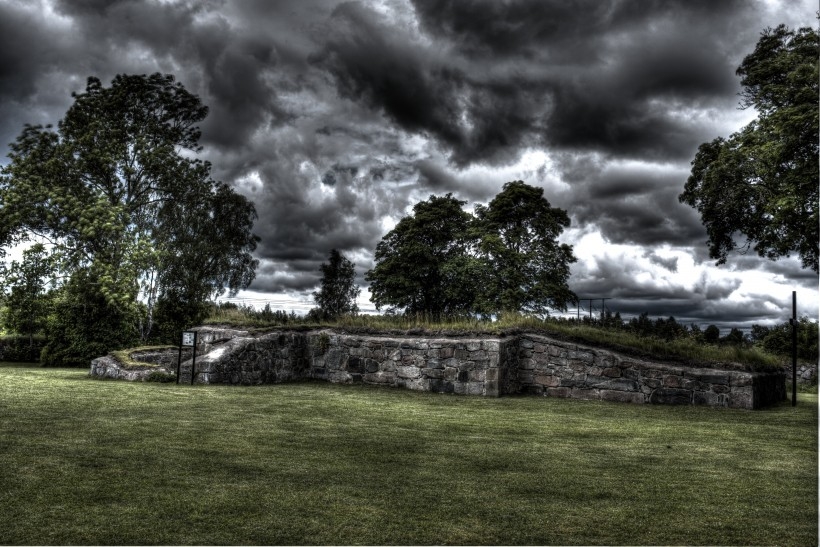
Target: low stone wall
pixel 463 366
pixel 559 369
pixel 806 373
pixel 492 367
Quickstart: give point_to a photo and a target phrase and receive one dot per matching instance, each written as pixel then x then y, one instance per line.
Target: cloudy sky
pixel 334 118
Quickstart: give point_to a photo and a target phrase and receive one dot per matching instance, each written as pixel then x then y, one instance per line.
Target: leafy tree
pixel 423 265
pixel 27 303
pixel 338 292
pixel 734 338
pixel 129 210
pixel 778 338
pixel 711 335
pixel 762 181
pixel 84 325
pixel 527 268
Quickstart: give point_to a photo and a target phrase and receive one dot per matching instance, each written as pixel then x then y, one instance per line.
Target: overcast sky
pixel 334 118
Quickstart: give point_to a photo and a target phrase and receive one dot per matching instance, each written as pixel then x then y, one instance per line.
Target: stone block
pixel 408 372
pixel 708 376
pixel 632 374
pixel 547 381
pixel 586 394
pixel 531 389
pixel 461 354
pixel 740 399
pixel 477 375
pixel 577 366
pixel 741 379
pixel 473 345
pixel 669 396
pixel 354 365
pixel 450 373
pixel 707 398
pixel 491 374
pixel 475 388
pixel 612 372
pixel 435 363
pixel 446 353
pixel 623 396
pixel 563 392
pixel 491 388
pixel 433 373
pixel 621 384
pixel 672 381
pixel 652 383
pixel 490 345
pixel 526 343
pixel 526 364
pixel 581 356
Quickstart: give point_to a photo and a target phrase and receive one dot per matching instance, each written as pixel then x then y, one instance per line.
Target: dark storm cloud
pixel 334 118
pixel 501 76
pixel 630 202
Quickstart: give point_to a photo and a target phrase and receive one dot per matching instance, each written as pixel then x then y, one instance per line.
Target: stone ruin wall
pixel 493 367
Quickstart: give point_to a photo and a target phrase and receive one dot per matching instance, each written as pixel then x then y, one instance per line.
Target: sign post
pixel 794 348
pixel 188 340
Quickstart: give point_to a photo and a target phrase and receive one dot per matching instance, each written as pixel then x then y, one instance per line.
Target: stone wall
pixel 559 369
pixel 523 364
pixel 463 366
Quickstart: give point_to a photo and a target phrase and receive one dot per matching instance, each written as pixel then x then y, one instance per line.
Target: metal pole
pixel 179 360
pixel 193 359
pixel 794 348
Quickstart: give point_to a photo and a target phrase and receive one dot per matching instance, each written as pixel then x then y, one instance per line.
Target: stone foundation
pixel 492 367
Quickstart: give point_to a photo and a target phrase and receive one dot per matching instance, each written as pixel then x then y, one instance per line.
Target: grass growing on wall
pixel 105 462
pixel 680 349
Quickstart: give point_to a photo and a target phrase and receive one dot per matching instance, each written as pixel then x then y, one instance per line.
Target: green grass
pixel 124 356
pixel 105 462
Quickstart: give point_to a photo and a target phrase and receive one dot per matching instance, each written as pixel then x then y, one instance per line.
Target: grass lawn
pixel 105 462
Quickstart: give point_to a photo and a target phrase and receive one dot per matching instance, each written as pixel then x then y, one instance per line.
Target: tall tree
pixel 528 269
pixel 128 208
pixel 442 260
pixel 761 182
pixel 338 292
pixel 423 265
pixel 27 303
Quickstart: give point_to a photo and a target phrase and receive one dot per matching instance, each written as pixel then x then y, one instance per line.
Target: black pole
pixel 794 348
pixel 193 359
pixel 179 360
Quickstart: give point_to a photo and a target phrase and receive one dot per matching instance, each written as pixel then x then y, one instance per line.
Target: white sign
pixel 188 338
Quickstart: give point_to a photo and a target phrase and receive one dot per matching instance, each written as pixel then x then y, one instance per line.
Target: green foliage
pixel 116 191
pixel 338 292
pixel 441 261
pixel 778 339
pixel 423 265
pixel 762 181
pixel 85 324
pixel 14 348
pixel 27 303
pixel 527 270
